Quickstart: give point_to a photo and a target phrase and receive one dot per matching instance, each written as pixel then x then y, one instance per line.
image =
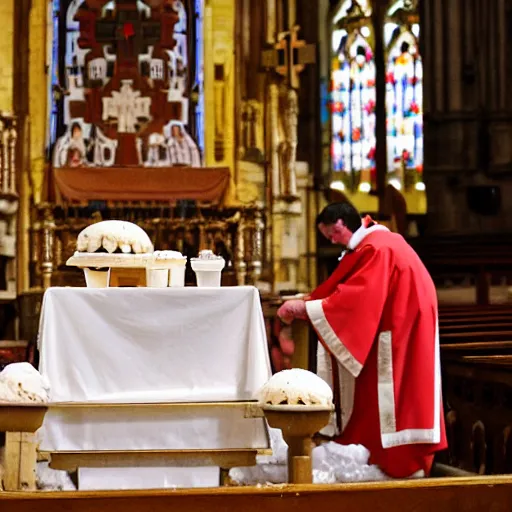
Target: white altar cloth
pixel 145 345
pixel 153 344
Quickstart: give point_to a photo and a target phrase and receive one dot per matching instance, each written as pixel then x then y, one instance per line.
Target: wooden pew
pixel 482 258
pixel 470 494
pixel 476 354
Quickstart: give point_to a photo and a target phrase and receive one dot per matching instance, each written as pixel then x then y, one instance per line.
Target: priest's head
pixel 338 222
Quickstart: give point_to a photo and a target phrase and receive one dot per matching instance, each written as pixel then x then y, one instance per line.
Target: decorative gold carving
pixel 47 260
pixel 258 230
pixel 251 141
pixel 236 234
pixel 240 265
pixel 37 177
pixel 8 205
pixel 8 138
pixel 222 69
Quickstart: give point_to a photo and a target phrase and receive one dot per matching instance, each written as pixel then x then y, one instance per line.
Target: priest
pixel 376 320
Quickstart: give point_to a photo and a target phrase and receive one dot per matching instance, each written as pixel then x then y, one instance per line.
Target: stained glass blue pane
pixel 54 75
pixel 353 106
pixel 199 78
pixel 404 100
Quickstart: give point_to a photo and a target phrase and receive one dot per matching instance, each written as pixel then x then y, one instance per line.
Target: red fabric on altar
pixel 142 183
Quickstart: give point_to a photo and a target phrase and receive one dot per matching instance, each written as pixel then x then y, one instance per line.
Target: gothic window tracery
pixel 404 96
pixel 353 96
pixel 353 100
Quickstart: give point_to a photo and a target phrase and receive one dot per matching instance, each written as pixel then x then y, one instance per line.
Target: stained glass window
pixel 199 78
pixel 53 96
pixel 345 7
pixel 353 102
pixel 404 98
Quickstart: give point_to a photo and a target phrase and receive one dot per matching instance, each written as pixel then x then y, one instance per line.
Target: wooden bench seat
pixel 485 347
pixel 480 258
pixel 477 336
pixel 472 328
pixel 474 320
pixel 476 313
pixel 490 360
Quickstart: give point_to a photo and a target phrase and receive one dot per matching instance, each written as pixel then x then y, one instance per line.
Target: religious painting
pixel 125 83
pixel 173 147
pixel 71 149
pixel 353 106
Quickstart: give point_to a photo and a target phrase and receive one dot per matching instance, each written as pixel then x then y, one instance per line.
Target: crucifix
pixel 287 58
pixel 133 103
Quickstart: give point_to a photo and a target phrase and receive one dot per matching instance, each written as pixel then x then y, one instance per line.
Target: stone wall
pixel 6 54
pixel 467 103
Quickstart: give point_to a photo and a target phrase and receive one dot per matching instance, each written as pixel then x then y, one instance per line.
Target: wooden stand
pixel 20 459
pixel 298 424
pixel 225 459
pixel 19 422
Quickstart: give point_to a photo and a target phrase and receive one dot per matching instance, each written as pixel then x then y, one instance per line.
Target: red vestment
pixel 376 317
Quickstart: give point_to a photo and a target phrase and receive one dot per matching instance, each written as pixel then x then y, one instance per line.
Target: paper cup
pixel 208 272
pixel 97 278
pixel 177 275
pixel 157 277
pixel 208 278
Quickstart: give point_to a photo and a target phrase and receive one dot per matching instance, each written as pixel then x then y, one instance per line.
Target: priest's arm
pixel 347 320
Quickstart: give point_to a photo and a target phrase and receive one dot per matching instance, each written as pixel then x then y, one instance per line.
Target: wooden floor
pixel 477 494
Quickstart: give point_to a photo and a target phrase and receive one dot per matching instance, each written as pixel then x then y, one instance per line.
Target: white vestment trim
pixel 360 234
pixel 390 436
pixel 324 371
pixel 347 392
pixel 317 317
pixel 386 390
pixel 347 387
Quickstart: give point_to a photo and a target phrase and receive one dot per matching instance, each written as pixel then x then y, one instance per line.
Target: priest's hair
pixel 336 211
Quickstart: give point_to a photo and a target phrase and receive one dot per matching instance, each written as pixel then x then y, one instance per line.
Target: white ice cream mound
pixel 112 235
pixel 21 383
pixel 160 256
pixel 207 255
pixel 332 463
pixel 48 479
pixel 295 387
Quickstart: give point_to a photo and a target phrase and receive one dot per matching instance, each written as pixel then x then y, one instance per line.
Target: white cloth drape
pixel 145 345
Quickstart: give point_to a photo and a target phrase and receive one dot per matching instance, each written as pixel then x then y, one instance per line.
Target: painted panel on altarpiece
pixel 125 81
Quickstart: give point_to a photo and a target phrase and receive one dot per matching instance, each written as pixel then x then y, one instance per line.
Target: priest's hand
pixel 292 310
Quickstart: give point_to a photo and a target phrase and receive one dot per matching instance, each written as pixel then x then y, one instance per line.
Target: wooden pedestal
pixel 20 460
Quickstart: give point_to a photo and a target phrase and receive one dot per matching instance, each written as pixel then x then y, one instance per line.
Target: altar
pixel 153 378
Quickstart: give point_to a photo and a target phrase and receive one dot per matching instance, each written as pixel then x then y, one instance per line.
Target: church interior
pixel 227 126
